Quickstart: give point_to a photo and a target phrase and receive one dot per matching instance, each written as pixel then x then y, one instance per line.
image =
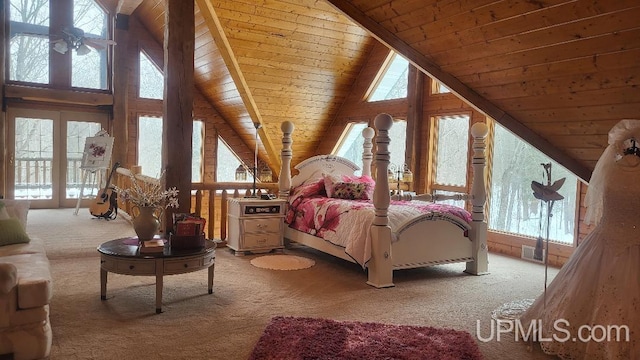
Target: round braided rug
pixel 282 262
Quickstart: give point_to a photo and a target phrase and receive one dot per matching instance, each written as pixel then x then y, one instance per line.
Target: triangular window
pixel 227 164
pixel 151 79
pixel 351 145
pixel 394 80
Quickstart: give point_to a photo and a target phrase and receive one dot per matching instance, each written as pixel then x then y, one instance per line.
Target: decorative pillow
pixel 351 191
pixel 366 179
pixel 11 232
pixel 4 215
pixel 18 209
pixel 329 182
pixel 308 189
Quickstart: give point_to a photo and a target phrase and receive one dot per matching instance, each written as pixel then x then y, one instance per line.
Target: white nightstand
pixel 255 225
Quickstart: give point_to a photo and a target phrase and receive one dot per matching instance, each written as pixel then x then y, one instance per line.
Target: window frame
pixel 380 76
pixel 436 89
pixel 143 52
pixel 247 168
pixel 557 247
pixel 433 158
pixel 63 13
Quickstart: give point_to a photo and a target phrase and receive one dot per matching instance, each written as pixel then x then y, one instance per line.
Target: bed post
pixel 380 266
pixel 367 155
pixel 284 179
pixel 478 233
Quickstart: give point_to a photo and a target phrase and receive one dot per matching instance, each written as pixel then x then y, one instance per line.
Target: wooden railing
pixel 207 200
pixel 35 176
pixel 210 202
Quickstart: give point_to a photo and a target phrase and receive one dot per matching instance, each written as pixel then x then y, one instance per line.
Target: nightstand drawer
pixel 268 225
pixel 262 240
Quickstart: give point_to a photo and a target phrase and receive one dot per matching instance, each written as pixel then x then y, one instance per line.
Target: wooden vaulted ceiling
pixel 559 73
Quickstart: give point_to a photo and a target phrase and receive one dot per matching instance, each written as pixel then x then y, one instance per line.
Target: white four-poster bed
pixel 422 241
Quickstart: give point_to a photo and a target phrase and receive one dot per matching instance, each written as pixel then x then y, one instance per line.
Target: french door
pixel 45 151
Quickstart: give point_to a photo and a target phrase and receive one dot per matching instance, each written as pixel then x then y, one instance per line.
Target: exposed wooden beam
pixel 415 119
pixel 456 86
pixel 122 63
pixel 127 7
pixel 179 43
pixel 213 23
pixel 3 45
pixel 57 95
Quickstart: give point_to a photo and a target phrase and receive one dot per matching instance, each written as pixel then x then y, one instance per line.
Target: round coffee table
pixel 122 256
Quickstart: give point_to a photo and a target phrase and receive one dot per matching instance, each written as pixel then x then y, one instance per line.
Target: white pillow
pixel 18 209
pixel 4 215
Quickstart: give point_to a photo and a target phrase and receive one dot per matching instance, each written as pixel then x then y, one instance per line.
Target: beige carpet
pixel 228 323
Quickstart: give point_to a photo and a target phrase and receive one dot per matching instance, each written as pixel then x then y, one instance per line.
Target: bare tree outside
pixel 151 79
pixel 29 44
pixel 90 70
pixel 452 150
pixel 513 207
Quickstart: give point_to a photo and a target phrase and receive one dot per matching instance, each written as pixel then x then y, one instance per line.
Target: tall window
pixel 351 145
pixel 29 41
pixel 451 134
pixel 197 150
pixel 352 142
pixel 513 208
pixel 226 164
pixel 150 145
pixel 151 79
pixel 90 70
pixel 393 83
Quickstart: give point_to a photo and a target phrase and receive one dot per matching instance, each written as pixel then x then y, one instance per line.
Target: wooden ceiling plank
pixel 607 96
pixel 609 43
pixel 626 59
pixel 560 35
pixel 408 19
pixel 603 79
pixel 578 114
pixel 460 89
pixel 469 22
pixel 525 23
pixel 127 7
pixel 208 12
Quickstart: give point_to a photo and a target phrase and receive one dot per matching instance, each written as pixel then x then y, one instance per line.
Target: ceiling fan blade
pixel 99 44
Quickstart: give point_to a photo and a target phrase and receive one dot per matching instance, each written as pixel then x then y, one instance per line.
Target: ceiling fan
pixel 74 38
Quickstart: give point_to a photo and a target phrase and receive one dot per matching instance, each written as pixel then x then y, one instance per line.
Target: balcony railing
pixel 208 201
pixel 34 178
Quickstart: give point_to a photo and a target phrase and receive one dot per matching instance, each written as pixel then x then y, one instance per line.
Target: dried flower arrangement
pixel 149 193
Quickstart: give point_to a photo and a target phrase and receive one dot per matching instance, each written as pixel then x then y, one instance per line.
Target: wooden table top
pixel 128 247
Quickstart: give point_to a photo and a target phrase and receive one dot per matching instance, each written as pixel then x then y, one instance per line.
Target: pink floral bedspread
pixel 347 223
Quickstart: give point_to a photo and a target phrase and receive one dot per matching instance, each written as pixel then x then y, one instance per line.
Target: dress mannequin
pixel 600 284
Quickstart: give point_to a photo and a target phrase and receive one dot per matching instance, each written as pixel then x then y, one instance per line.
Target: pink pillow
pixel 364 179
pixel 309 189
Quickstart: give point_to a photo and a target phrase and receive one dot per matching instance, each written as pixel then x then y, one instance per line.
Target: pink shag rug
pixel 308 338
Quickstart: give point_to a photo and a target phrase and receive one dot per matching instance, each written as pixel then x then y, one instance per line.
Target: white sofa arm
pixel 8 278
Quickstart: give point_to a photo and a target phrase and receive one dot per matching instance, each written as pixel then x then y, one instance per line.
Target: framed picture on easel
pixel 97 152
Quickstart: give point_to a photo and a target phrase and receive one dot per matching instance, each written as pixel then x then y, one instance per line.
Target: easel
pixel 95 161
pixel 97 177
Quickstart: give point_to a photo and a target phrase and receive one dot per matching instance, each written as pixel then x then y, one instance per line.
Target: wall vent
pixel 527 254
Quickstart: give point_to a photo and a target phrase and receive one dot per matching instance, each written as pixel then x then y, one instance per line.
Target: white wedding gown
pixel 600 284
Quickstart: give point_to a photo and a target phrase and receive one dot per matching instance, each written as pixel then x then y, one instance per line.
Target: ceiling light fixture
pixel 75 39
